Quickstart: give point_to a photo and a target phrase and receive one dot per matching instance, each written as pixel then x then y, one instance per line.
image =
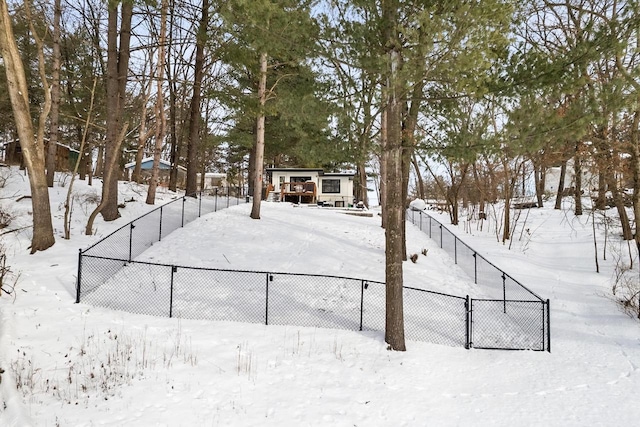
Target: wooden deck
pixel 298 192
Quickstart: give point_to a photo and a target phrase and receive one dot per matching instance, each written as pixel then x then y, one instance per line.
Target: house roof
pixel 147 163
pixel 319 170
pixel 213 174
pixel 294 170
pixel 338 174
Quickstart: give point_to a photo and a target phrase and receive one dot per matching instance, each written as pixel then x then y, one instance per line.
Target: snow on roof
pixel 164 164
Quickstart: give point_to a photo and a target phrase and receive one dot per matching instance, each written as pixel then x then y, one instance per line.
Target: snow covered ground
pixel 84 365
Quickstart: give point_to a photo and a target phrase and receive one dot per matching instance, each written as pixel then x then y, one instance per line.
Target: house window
pixel 330 186
pixel 300 179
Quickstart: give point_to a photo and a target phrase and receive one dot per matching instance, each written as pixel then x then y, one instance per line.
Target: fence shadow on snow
pixel 109 276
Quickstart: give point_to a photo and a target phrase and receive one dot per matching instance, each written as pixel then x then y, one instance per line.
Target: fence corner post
pixel 548 326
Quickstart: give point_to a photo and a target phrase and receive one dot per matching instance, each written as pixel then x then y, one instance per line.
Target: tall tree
pixel 55 95
pixel 118 53
pixel 159 109
pixel 269 43
pixel 394 205
pixel 32 148
pixel 196 105
pixel 259 145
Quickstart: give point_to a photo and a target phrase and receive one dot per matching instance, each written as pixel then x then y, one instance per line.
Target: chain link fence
pixel 111 253
pixel 515 318
pixel 267 297
pixel 109 276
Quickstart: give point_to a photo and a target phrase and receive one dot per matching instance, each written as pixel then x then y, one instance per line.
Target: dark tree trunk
pixel 538 179
pixel 601 201
pixel 55 97
pixel 577 169
pixel 383 164
pixel 420 181
pixel 117 71
pixel 394 205
pixel 480 186
pixel 194 115
pixel 362 191
pixel 560 193
pixel 161 121
pixel 251 166
pixel 173 138
pixel 32 149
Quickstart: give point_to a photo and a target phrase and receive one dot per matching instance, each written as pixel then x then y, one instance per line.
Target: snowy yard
pixel 79 364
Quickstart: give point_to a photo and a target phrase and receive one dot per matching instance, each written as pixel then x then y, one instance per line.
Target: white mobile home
pixel 305 185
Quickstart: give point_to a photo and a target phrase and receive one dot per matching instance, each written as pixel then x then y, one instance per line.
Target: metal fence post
pixel 475 268
pixel 362 285
pixel 160 227
pixel 228 195
pixel 266 305
pixel 430 227
pixel 440 235
pixel 79 277
pixel 174 269
pixel 200 204
pixel 184 200
pixel 455 249
pixel 131 227
pixel 548 326
pixel 420 221
pixel 215 206
pixel 504 292
pixel 467 306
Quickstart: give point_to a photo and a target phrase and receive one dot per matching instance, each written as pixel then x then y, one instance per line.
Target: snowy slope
pixel 77 364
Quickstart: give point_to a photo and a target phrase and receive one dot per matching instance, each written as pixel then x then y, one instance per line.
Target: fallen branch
pixel 15 229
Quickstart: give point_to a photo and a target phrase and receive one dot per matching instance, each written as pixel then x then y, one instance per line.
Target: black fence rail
pixel 109 276
pixel 516 318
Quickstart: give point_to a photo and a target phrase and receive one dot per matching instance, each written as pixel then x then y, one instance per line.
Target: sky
pixel 84 364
